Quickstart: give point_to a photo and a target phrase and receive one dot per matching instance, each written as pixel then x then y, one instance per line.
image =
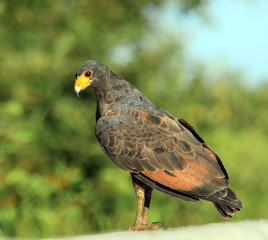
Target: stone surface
pixel 257 230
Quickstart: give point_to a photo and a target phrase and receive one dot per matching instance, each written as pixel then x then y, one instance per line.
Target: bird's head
pixel 92 73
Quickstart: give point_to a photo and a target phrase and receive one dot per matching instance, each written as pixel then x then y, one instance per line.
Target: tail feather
pixel 226 202
pixel 225 210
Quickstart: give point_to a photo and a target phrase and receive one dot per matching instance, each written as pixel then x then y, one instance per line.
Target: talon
pixel 160 224
pixel 147 227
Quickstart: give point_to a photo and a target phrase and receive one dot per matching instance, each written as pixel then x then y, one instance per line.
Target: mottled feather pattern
pixel 151 139
pixel 162 151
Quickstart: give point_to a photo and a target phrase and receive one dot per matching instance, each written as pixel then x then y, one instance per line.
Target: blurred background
pixel 54 178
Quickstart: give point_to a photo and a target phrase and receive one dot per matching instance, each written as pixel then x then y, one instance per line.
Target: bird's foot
pixel 147 227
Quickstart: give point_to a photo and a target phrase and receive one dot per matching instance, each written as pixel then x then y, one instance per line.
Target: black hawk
pixel 160 151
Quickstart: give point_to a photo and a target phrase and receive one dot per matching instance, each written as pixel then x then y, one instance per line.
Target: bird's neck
pixel 115 99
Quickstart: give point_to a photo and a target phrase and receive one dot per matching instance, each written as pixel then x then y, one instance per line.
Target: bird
pixel 160 151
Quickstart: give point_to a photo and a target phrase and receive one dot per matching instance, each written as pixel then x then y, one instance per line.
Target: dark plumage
pixel 160 151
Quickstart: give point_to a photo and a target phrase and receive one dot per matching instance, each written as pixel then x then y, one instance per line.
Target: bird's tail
pixel 226 202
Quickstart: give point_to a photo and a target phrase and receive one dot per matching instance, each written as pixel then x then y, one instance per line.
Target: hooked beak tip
pixel 77 90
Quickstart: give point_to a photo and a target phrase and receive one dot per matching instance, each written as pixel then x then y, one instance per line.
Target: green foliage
pixel 54 178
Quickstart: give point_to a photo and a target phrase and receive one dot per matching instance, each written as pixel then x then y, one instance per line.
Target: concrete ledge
pixel 257 230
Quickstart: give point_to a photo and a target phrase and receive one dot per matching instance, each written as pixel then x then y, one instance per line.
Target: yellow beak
pixel 81 83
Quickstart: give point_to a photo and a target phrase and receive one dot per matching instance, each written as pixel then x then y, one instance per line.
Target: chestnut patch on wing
pixel 190 178
pixel 184 182
pixel 169 173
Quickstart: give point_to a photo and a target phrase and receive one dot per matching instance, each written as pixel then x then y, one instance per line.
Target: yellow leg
pixel 144 194
pixel 139 189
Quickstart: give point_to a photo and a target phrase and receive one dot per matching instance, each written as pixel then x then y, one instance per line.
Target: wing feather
pixel 163 149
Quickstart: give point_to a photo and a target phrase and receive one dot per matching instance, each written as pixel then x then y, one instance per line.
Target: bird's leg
pixel 143 193
pixel 139 189
pixel 145 212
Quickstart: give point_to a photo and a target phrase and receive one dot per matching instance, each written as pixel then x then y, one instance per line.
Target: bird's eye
pixel 87 74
